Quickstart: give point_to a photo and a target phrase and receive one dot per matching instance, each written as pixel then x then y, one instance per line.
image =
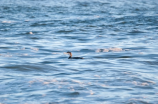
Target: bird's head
pixel 69 53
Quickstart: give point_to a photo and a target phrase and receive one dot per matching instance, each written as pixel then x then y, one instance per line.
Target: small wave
pixel 137 31
pixel 65 31
pixel 110 49
pixel 151 62
pixel 141 100
pixel 6 55
pixel 7 22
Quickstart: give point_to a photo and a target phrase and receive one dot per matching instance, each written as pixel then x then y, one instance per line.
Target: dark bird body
pixel 70 56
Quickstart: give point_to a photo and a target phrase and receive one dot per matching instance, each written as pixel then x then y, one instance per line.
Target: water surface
pixel 117 38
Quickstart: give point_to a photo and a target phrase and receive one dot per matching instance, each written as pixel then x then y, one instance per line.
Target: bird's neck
pixel 70 55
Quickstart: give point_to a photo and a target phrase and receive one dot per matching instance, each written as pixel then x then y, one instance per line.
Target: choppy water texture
pixel 117 38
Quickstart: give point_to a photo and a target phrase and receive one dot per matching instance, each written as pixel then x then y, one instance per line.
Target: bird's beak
pixel 65 53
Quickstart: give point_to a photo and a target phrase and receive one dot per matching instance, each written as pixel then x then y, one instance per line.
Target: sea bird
pixel 70 56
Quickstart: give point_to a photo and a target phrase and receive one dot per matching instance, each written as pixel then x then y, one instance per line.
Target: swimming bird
pixel 70 56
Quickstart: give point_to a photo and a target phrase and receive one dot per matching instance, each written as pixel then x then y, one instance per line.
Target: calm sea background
pixel 117 38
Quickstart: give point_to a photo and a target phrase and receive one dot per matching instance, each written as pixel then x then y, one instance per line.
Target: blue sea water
pixel 117 38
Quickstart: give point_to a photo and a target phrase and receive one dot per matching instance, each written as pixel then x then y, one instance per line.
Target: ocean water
pixel 118 40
